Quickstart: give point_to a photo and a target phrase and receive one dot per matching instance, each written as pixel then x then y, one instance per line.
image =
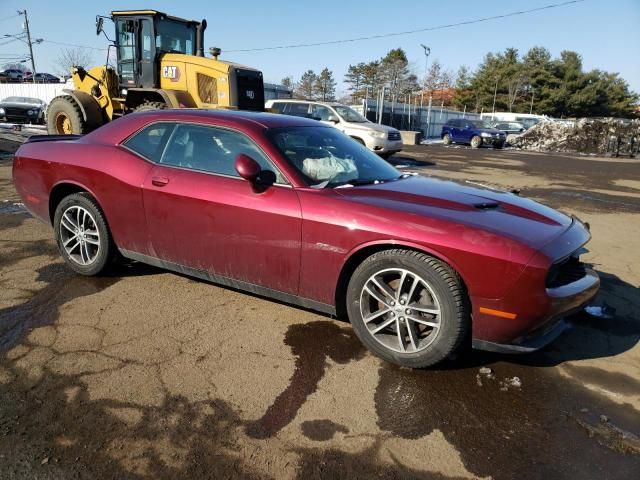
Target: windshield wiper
pixel 356 182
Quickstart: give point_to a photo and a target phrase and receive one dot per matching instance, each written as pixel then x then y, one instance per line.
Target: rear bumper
pixel 563 301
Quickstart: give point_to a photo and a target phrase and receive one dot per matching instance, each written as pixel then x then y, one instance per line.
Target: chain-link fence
pixel 412 117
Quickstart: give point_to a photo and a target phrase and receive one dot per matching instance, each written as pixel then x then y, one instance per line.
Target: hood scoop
pixel 486 205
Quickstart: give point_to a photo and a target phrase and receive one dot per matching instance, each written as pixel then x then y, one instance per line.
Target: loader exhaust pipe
pixel 202 26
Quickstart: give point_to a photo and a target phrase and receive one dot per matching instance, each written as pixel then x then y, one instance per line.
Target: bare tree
pixel 72 57
pixel 515 85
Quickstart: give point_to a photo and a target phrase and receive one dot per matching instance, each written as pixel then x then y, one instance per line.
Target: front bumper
pixel 563 300
pixel 385 146
pixel 498 140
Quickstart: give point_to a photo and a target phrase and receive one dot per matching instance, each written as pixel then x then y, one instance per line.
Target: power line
pixel 72 45
pixel 9 17
pixel 408 32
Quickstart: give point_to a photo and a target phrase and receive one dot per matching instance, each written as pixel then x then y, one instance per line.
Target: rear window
pixel 150 141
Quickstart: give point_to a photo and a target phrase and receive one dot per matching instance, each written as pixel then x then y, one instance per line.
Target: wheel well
pixel 135 98
pixel 358 139
pixel 59 192
pixel 360 256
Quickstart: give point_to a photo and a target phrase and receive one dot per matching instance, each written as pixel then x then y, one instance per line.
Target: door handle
pixel 159 181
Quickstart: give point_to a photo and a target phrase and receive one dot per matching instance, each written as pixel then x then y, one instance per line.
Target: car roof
pixel 291 100
pixel 114 132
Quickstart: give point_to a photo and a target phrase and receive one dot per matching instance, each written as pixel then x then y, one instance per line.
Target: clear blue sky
pixel 605 33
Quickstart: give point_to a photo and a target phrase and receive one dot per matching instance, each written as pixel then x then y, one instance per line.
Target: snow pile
pixel 587 135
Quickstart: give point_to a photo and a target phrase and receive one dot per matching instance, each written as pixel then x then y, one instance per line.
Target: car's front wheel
pixel 446 139
pixel 476 142
pixel 82 235
pixel 408 308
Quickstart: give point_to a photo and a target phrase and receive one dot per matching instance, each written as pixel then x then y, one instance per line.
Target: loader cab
pixel 142 36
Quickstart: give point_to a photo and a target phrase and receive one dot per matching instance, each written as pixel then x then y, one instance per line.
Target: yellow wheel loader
pixel 160 63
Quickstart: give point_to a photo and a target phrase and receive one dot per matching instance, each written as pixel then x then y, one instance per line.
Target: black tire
pixel 64 117
pixel 147 106
pixel 476 141
pixel 446 139
pixel 386 155
pixel 447 287
pixel 106 251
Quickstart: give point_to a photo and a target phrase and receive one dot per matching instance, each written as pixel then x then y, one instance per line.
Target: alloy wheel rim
pixel 79 235
pixel 400 310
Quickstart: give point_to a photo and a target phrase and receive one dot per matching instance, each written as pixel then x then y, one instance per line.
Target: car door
pixel 455 130
pixel 202 215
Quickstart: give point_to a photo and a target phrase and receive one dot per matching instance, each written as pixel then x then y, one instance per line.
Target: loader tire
pixel 146 106
pixel 64 117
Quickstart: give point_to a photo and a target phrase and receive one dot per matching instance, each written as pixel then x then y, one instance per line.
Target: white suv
pixel 381 139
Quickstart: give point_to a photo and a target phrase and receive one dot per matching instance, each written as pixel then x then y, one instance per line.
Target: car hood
pixel 496 211
pixel 25 106
pixel 492 131
pixel 371 126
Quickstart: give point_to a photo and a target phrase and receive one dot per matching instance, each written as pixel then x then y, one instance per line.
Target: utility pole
pixel 495 92
pixel 26 26
pixel 427 52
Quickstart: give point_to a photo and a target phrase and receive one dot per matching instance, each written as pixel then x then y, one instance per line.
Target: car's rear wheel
pixel 82 235
pixel 446 139
pixel 476 142
pixel 408 308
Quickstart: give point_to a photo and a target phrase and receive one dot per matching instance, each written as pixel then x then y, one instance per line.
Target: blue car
pixel 472 132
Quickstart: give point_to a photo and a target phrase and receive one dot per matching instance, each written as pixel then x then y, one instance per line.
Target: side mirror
pixel 247 168
pixel 99 24
pixel 333 118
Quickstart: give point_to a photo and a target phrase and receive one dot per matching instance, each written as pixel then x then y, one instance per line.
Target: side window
pixel 278 107
pixel 454 123
pixel 150 141
pixel 146 40
pixel 298 109
pixel 214 150
pixel 320 112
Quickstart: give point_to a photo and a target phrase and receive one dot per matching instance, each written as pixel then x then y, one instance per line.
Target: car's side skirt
pixel 230 282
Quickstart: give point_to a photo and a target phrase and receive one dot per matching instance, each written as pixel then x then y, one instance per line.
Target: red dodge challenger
pixel 287 208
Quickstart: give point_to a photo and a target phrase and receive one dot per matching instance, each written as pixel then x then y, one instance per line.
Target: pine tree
pixel 325 86
pixel 306 87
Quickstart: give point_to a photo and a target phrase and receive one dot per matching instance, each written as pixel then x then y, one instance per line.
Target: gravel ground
pixel 148 374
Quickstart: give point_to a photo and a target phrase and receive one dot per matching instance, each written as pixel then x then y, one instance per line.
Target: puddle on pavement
pixel 526 432
pixel 12 207
pixel 312 344
pixel 611 381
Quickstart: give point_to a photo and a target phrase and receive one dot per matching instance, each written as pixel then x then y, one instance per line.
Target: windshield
pixel 528 122
pixel 327 158
pixel 23 100
pixel 480 124
pixel 175 37
pixel 350 115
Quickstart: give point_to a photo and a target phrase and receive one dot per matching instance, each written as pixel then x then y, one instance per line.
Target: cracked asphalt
pixel 149 374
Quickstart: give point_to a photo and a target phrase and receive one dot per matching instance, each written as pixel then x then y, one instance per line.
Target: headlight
pixel 1 111
pixel 375 134
pixel 31 112
pixel 485 134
